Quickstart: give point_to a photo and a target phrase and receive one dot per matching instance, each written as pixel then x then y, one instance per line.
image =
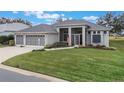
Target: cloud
pixel 70 18
pixel 91 18
pixel 50 21
pixel 14 12
pixel 64 18
pixel 35 13
pixel 48 17
pixel 43 15
pixel 62 14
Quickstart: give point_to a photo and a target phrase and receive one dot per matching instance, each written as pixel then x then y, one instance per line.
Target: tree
pixel 106 20
pixel 113 21
pixel 117 25
pixel 19 20
pixel 122 20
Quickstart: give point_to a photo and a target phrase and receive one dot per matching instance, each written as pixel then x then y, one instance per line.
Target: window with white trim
pixel 105 32
pixel 96 38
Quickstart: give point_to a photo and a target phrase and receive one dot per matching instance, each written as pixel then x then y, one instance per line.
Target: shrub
pixel 109 48
pixel 5 39
pixel 21 46
pixel 48 46
pixel 38 50
pixel 11 42
pixel 90 45
pixel 10 37
pixel 17 66
pixel 57 44
pixel 99 46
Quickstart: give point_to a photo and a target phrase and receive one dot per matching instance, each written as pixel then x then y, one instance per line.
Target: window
pixel 96 38
pixel 65 31
pixel 89 32
pixel 94 32
pixel 65 36
pixel 105 32
pixel 98 32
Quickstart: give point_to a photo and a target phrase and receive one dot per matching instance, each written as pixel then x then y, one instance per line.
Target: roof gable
pixel 41 28
pixel 92 26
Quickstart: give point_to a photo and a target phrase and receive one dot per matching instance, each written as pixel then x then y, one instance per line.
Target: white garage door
pixel 19 39
pixel 37 40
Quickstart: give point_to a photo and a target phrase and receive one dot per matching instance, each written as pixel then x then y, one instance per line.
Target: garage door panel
pixel 19 39
pixel 38 40
pixel 42 40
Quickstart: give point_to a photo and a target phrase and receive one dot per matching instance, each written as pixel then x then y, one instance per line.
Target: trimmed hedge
pixel 11 42
pixel 57 45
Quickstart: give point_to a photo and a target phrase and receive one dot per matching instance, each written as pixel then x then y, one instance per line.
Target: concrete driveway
pixel 10 74
pixel 8 52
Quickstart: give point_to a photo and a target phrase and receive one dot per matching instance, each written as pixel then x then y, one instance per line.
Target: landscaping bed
pixel 78 64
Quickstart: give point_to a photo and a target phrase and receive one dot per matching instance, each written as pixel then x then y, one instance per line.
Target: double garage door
pixel 36 40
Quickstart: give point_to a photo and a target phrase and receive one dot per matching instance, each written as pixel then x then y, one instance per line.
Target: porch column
pixel 83 36
pixel 91 42
pixel 69 34
pixel 24 39
pixel 107 39
pixel 102 41
pixel 58 34
pixel 15 39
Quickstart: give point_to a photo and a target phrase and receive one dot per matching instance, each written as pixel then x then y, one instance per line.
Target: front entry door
pixel 76 39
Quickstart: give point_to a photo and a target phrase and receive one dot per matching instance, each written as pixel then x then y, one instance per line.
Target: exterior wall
pixel 87 38
pixel 70 33
pixel 51 38
pixel 104 38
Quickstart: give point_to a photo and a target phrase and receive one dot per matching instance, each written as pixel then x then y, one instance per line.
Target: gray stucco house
pixel 11 28
pixel 74 32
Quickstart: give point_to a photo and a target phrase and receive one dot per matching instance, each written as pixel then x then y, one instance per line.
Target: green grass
pixel 84 64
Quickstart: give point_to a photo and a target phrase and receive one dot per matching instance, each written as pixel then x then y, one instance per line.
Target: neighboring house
pixel 75 32
pixel 11 28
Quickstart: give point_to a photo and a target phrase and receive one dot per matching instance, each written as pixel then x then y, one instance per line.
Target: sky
pixel 49 17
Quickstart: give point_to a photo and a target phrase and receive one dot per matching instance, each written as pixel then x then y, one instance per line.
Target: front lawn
pixel 84 64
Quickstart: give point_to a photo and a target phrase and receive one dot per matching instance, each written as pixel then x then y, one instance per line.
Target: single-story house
pixel 11 28
pixel 74 32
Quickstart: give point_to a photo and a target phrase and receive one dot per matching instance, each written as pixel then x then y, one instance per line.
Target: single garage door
pixel 36 40
pixel 19 40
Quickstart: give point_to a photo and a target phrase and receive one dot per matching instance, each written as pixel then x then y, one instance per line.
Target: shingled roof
pixel 92 26
pixel 41 28
pixel 45 28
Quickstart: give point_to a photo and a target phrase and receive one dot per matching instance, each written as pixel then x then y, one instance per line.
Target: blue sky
pixel 48 17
